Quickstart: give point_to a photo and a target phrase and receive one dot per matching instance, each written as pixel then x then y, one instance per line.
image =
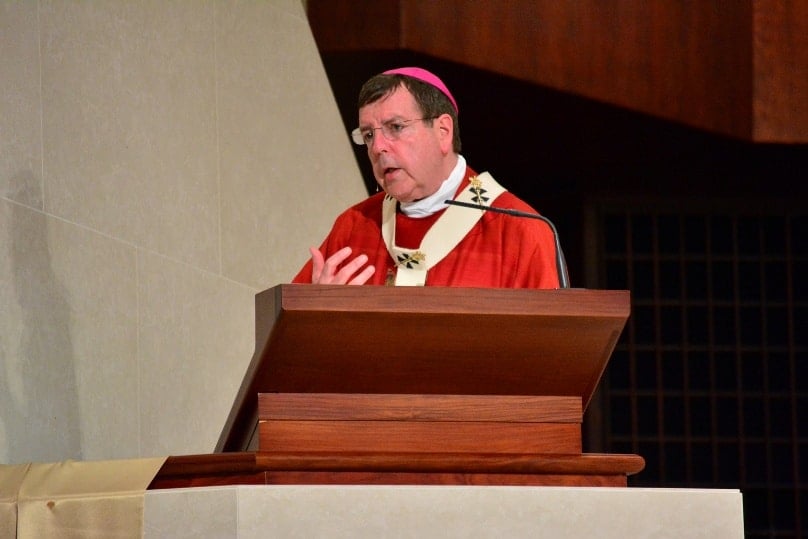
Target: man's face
pixel 413 166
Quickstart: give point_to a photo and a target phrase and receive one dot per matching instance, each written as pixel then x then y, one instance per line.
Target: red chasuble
pixel 501 251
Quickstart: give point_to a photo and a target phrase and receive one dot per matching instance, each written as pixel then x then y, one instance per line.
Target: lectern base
pixel 263 468
pixel 446 511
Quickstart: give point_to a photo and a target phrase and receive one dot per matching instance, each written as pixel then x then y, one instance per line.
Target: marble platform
pixel 444 512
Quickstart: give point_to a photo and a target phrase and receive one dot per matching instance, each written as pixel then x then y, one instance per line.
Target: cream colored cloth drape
pixel 11 478
pixel 75 499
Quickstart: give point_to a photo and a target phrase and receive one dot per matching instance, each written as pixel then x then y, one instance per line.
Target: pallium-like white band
pixel 412 265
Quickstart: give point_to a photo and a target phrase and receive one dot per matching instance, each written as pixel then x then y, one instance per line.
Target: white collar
pixel 435 202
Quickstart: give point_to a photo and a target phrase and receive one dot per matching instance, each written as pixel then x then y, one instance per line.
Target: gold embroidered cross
pixel 410 261
pixel 476 187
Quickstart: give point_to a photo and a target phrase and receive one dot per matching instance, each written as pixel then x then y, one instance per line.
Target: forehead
pixel 399 104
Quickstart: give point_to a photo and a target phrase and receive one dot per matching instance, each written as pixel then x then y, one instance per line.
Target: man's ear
pixel 445 132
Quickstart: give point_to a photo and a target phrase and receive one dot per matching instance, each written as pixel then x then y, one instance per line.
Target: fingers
pixel 347 274
pixel 363 277
pixel 327 272
pixel 317 262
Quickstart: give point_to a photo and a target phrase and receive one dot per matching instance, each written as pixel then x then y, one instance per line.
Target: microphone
pixel 561 262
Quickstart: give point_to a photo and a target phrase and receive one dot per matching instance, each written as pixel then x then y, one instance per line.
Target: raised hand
pixel 324 271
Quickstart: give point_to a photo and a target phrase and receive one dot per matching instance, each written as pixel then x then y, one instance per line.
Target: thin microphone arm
pixel 561 263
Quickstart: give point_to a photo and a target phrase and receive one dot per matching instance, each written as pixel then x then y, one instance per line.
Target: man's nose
pixel 379 143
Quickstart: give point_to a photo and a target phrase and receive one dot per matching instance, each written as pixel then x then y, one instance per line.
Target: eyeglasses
pixel 391 129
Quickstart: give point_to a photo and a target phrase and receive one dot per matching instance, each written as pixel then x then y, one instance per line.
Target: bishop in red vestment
pixel 408 121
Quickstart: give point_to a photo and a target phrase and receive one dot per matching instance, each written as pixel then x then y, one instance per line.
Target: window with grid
pixel 709 382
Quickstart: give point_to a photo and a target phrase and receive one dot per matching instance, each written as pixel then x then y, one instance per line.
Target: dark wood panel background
pixel 735 68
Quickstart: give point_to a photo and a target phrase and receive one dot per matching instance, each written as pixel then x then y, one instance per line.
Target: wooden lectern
pixel 425 385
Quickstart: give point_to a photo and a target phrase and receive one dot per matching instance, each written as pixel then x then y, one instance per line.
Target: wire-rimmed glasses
pixel 391 129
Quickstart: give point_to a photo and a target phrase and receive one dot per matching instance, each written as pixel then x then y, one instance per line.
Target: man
pixel 408 235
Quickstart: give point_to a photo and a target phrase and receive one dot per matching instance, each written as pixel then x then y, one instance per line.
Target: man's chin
pixel 401 197
pixel 394 190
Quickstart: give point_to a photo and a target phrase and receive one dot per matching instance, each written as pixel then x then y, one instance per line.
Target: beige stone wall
pixel 160 163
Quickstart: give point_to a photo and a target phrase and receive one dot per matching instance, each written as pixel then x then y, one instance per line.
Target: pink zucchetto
pixel 425 76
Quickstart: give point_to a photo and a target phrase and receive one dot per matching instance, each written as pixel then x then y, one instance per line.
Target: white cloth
pixel 435 202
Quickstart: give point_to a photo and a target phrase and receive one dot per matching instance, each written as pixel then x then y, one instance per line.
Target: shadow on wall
pixel 39 413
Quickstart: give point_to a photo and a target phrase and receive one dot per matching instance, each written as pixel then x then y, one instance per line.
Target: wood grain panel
pixel 354 25
pixel 781 70
pixel 689 62
pixel 412 478
pixel 426 469
pixel 419 436
pixel 736 68
pixel 330 406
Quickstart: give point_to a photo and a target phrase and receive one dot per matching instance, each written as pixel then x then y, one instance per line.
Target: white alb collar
pixel 435 202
